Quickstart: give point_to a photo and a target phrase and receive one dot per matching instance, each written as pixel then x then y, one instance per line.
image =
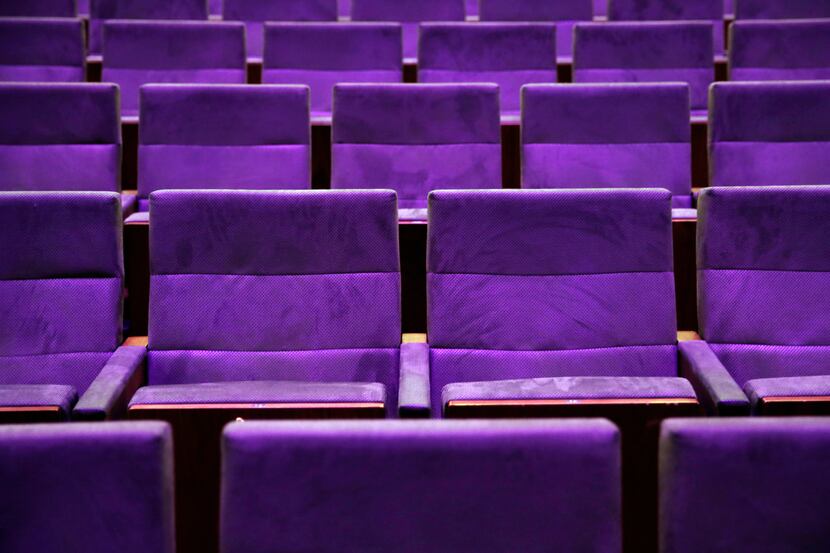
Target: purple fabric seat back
pixel 775 133
pixel 415 486
pixel 223 136
pixel 543 283
pixel 61 278
pixel 778 9
pixel 563 13
pixel 646 52
pixel 103 10
pixel 274 285
pixel 321 55
pixel 607 135
pixel 95 487
pixel 415 138
pixel 672 10
pixel 59 137
pixel 508 54
pixel 409 13
pixel 744 485
pixel 779 50
pixel 37 8
pixel 41 50
pixel 256 12
pixel 763 274
pixel 141 52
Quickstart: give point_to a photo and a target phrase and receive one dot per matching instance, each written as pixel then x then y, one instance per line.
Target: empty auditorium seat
pixel 647 52
pixel 745 485
pixel 781 9
pixel 607 135
pixel 103 10
pixel 37 8
pixel 321 55
pixel 773 133
pixel 223 136
pixel 508 54
pixel 672 10
pixel 779 50
pixel 763 274
pixel 87 487
pixel 410 13
pixel 61 279
pixel 460 487
pixel 256 12
pixel 140 52
pixel 415 138
pixel 41 50
pixel 564 13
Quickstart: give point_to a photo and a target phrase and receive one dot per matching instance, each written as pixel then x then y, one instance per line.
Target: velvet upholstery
pixel 108 395
pixel 608 135
pixel 744 485
pixel 508 54
pixel 763 389
pixel 39 395
pixel 405 486
pixel 140 52
pixel 41 50
pixel 228 136
pixel 672 10
pixel 413 399
pixel 718 392
pixel 564 13
pixel 409 13
pixel 646 52
pixel 779 50
pixel 776 9
pixel 274 285
pixel 96 488
pixel 37 8
pixel 415 138
pixel 59 137
pixel 321 55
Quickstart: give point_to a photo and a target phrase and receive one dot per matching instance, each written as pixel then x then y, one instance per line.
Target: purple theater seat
pixel 37 8
pixel 61 279
pixel 508 54
pixel 215 8
pixel 763 275
pixel 97 488
pixel 141 52
pixel 647 52
pixel 404 486
pixel 779 50
pixel 103 10
pixel 564 14
pixel 409 13
pixel 321 55
pixel 781 9
pixel 223 136
pixel 769 133
pixel 672 10
pixel 415 138
pixel 745 485
pixel 607 135
pixel 41 50
pixel 254 13
pixel 59 137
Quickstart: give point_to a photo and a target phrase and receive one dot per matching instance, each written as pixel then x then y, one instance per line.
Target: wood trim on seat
pixel 463 403
pixel 31 409
pixel 309 405
pixel 796 399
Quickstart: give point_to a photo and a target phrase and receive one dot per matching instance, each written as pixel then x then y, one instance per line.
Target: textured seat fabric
pixel 409 13
pixel 103 488
pixel 763 389
pixel 775 133
pixel 416 138
pixel 776 9
pixel 277 285
pixel 779 50
pixel 607 135
pixel 41 50
pixel 647 52
pixel 59 137
pixel 763 275
pixel 140 52
pixel 549 283
pixel 672 10
pixel 39 395
pixel 563 13
pixel 103 10
pixel 229 136
pixel 508 54
pixel 37 8
pixel 321 55
pixel 744 485
pixel 256 12
pixel 414 486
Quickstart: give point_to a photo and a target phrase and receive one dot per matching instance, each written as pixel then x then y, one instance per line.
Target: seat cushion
pixel 760 389
pixel 39 395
